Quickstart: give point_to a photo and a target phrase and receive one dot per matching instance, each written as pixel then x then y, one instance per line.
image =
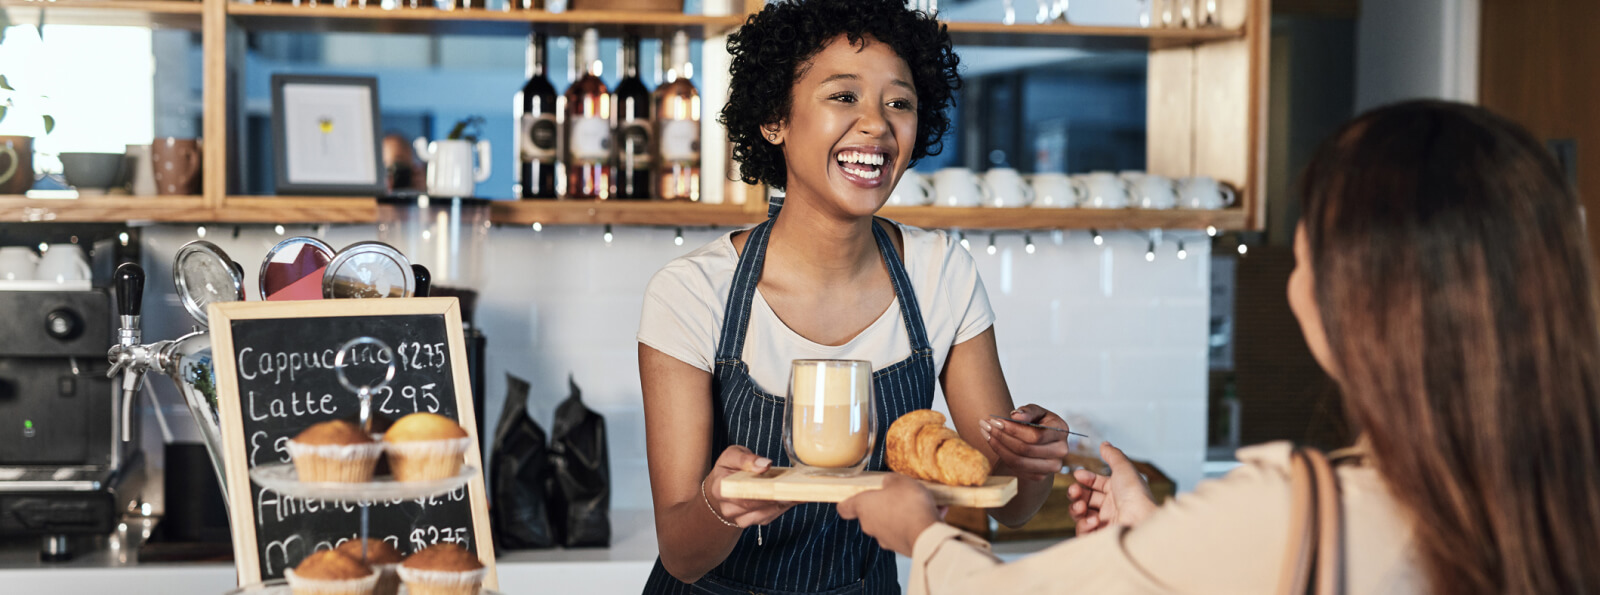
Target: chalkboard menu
pixel 276 376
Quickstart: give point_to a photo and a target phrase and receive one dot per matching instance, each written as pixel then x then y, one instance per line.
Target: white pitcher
pixel 450 168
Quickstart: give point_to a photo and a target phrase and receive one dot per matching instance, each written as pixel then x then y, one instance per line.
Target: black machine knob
pixel 129 282
pixel 63 324
pixel 424 280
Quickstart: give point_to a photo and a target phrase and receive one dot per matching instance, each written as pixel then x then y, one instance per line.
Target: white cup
pixel 1007 189
pixel 1102 190
pixel 1205 192
pixel 62 263
pixel 912 191
pixel 1055 191
pixel 958 187
pixel 450 168
pixel 1150 191
pixel 18 263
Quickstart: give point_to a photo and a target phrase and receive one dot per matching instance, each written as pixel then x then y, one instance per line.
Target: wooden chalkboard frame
pixel 246 555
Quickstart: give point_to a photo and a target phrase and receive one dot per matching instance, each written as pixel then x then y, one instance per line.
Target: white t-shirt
pixel 685 301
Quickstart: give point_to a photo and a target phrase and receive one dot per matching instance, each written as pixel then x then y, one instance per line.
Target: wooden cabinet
pixel 1206 113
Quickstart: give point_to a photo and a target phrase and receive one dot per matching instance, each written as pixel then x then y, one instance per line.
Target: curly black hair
pixel 774 45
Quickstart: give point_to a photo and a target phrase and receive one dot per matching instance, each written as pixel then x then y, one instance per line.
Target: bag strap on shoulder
pixel 1313 562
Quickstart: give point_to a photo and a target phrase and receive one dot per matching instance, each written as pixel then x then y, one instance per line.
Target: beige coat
pixel 1227 537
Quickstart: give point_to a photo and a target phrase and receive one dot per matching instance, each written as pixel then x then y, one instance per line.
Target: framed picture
pixel 325 135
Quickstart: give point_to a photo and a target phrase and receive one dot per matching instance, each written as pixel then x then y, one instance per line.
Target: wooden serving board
pixel 788 484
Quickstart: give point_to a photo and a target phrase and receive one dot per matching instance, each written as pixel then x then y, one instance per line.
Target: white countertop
pixel 619 569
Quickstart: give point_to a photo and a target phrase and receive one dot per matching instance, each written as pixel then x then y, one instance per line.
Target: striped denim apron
pixel 808 549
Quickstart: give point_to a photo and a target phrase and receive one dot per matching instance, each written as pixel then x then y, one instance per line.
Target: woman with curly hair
pixel 831 101
pixel 1443 279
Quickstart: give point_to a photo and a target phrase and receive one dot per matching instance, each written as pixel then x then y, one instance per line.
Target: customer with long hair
pixel 1443 280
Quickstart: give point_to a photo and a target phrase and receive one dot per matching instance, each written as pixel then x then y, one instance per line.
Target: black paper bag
pixel 581 508
pixel 520 466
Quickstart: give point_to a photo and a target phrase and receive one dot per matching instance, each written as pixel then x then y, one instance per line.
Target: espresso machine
pixel 67 466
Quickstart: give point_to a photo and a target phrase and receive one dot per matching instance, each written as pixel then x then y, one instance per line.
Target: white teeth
pixel 869 174
pixel 859 157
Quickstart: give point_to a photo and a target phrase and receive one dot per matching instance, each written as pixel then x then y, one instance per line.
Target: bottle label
pixel 590 140
pixel 538 138
pixel 680 140
pixel 633 142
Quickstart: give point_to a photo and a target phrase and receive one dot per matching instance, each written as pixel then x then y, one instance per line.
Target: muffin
pixel 331 573
pixel 382 557
pixel 334 451
pixel 425 447
pixel 442 569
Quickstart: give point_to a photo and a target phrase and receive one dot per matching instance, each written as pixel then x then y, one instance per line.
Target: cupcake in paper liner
pixel 382 557
pixel 334 451
pixel 425 447
pixel 331 573
pixel 443 569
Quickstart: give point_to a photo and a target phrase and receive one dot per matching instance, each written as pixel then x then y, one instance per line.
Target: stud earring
pixel 772 136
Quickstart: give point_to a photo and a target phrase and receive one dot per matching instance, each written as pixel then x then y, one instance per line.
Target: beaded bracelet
pixel 713 509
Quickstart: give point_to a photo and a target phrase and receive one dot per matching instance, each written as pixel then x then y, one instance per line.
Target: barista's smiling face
pixel 851 127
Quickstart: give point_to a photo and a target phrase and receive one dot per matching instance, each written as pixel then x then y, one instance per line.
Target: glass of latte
pixel 830 420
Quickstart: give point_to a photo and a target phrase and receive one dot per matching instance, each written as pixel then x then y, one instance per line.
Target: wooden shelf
pixel 620 212
pixel 179 14
pixel 313 209
pixel 326 17
pixel 1030 218
pixel 101 209
pixel 1085 37
pixel 297 209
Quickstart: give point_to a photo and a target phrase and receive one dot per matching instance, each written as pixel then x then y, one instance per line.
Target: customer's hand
pixel 896 514
pixel 1028 453
pixel 1099 501
pixel 744 513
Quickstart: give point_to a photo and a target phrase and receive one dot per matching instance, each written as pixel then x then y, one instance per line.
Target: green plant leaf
pixel 4 84
pixel 49 124
pixel 3 112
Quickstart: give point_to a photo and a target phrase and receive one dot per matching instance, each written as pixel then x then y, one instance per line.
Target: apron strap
pixel 910 309
pixel 736 318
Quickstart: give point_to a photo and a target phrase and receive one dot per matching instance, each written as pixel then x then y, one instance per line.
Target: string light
pixel 123 237
pixel 1150 253
pixel 1182 254
pixel 537 226
pixel 278 229
pixel 43 247
pixel 992 249
pixel 964 242
pixel 677 237
pixel 608 235
pixel 1211 230
pixel 1098 240
pixel 1027 243
pixel 1243 248
pixel 200 231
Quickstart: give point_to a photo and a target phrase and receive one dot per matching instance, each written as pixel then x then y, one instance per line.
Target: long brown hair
pixel 1452 274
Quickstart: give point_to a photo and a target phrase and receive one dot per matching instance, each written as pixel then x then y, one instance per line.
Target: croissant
pixel 918 445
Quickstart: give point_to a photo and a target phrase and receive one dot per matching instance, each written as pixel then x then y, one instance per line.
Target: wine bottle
pixel 588 126
pixel 678 128
pixel 635 173
pixel 537 127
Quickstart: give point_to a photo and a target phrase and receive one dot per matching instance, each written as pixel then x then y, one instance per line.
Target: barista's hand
pixel 1099 501
pixel 896 514
pixel 1029 453
pixel 744 513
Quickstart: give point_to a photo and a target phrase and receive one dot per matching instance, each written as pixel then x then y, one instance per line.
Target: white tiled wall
pixel 1092 331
